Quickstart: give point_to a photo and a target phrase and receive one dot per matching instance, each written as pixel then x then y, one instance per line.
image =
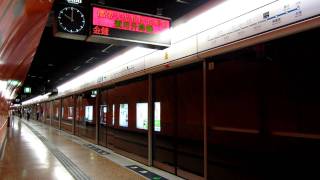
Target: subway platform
pixel 36 151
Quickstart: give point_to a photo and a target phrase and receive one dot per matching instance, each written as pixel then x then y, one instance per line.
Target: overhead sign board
pixel 94 93
pixel 118 26
pixel 27 90
pixel 74 1
pixel 71 19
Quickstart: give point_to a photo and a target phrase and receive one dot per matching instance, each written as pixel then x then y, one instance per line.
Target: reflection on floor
pixel 37 151
pixel 28 157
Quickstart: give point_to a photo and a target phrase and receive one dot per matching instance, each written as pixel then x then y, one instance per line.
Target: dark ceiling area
pixel 58 60
pixel 168 8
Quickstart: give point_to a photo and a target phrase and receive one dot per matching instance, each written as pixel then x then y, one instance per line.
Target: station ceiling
pixel 58 60
pixel 21 24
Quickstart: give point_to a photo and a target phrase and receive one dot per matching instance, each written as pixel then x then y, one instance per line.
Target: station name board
pixel 74 1
pixel 127 26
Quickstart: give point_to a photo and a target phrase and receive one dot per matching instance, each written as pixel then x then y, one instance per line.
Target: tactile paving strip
pixel 139 170
pixel 145 173
pixel 73 169
pixel 96 149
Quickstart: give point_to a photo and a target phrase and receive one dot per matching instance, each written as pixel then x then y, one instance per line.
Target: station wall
pixel 261 113
pixel 4 109
pixel 262 110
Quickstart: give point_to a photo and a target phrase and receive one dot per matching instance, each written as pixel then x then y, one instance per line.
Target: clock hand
pixel 72 15
pixel 68 17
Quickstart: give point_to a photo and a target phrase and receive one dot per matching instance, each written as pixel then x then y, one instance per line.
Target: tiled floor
pixel 26 157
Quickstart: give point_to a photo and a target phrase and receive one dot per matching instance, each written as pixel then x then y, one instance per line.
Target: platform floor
pixel 26 157
pixel 37 151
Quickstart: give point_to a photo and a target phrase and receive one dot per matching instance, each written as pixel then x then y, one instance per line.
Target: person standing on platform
pixel 38 113
pixel 28 115
pixel 20 113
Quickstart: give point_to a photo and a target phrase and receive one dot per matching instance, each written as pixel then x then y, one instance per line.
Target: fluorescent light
pixel 224 11
pixel 14 82
pixel 110 65
pixel 183 2
pixel 105 50
pixel 89 60
pixel 3 88
pixel 166 34
pixel 37 99
pixel 76 68
pixel 8 88
pixel 3 85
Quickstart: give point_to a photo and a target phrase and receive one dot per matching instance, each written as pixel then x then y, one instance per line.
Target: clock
pixel 71 20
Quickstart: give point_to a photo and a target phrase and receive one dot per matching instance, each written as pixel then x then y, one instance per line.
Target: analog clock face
pixel 71 20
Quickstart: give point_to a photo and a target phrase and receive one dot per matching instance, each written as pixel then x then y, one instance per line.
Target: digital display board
pixel 157 116
pixel 113 113
pixel 94 93
pixel 57 113
pixel 70 112
pixel 103 114
pixel 88 113
pixel 110 25
pixel 74 1
pixel 27 90
pixel 123 119
pixel 142 116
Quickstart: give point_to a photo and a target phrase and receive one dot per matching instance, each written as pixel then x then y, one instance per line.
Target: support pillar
pixel 150 120
pixel 60 113
pixel 74 114
pixel 205 130
pixel 97 115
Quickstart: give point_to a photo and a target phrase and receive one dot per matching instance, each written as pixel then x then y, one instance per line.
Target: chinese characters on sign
pixel 100 30
pixel 127 21
pixel 133 26
pixel 115 26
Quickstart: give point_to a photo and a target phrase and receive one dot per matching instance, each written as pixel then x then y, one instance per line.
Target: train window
pixel 157 116
pixel 123 116
pixel 142 116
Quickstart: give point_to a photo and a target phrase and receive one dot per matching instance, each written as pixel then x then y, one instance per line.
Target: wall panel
pixel 86 124
pixel 130 140
pixel 67 116
pixel 179 144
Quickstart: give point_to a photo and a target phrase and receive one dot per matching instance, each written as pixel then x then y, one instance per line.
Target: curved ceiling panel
pixel 21 26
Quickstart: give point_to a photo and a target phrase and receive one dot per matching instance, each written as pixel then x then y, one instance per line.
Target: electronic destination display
pixel 123 119
pixel 110 25
pixel 89 113
pixel 157 116
pixel 142 116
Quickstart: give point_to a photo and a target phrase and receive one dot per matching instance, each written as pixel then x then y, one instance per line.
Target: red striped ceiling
pixel 21 25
